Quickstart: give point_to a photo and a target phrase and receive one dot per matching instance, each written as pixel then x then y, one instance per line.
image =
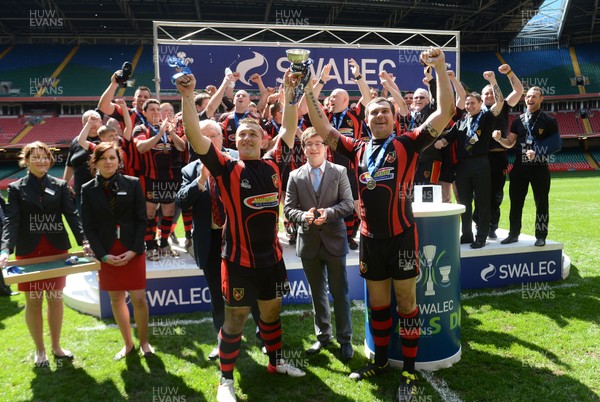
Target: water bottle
pixel 229 73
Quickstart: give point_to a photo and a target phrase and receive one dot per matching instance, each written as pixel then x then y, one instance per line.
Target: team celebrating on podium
pixel 323 165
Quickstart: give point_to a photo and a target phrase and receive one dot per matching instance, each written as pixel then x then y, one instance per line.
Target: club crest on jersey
pixel 245 184
pixel 363 267
pixel 275 179
pixel 380 175
pixel 349 122
pixel 540 131
pixel 391 157
pixel 262 201
pixel 238 293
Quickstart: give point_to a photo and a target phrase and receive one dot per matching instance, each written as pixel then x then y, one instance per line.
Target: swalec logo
pixel 488 272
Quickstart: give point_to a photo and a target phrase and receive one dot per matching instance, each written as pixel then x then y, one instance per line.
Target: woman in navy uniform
pixel 114 220
pixel 34 228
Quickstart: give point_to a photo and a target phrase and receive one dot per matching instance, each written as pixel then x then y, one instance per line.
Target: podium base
pixel 427 366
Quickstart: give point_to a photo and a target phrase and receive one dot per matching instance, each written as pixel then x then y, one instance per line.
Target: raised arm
pixel 437 121
pixel 461 94
pixel 217 97
pixel 105 104
pixel 390 86
pixel 128 124
pixel 191 125
pixel 319 120
pixel 498 97
pixel 290 112
pixel 360 81
pixel 83 134
pixel 517 87
pixel 317 87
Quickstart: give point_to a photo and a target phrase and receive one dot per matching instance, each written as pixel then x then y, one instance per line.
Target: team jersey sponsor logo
pixel 262 201
pixel 380 175
pixel 348 132
pixel 363 267
pixel 238 293
pixel 162 147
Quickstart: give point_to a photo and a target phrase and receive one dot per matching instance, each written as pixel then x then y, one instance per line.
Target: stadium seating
pixel 26 66
pixel 54 130
pixel 588 57
pixel 569 124
pixel 89 71
pixel 594 117
pixel 9 128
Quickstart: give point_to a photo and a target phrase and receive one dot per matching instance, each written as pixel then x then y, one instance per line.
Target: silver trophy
pixel 300 64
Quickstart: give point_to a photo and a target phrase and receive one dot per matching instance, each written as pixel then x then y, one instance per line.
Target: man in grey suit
pixel 318 198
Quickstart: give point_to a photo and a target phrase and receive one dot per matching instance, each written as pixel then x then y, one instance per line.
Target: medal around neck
pixel 300 63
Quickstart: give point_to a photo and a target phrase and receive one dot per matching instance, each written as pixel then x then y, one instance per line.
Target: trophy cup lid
pixel 297 55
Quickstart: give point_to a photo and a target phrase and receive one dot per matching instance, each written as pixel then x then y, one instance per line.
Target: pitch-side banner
pixel 208 63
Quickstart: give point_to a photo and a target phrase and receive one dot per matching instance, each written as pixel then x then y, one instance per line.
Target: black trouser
pixel 520 177
pixel 473 178
pixel 498 169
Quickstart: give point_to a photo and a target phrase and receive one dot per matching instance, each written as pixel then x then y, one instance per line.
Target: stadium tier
pixel 569 123
pixel 9 128
pixel 69 71
pixel 551 70
pixel 589 63
pixel 594 117
pixel 54 130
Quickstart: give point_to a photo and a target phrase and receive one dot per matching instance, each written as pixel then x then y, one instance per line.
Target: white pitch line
pixel 441 387
pixel 158 322
pixel 512 291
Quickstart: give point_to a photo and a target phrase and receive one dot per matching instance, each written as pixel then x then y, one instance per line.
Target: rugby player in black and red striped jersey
pixel 252 267
pixel 385 168
pixel 159 147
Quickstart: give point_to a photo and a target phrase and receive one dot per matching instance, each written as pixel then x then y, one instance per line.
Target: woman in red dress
pixel 113 213
pixel 34 226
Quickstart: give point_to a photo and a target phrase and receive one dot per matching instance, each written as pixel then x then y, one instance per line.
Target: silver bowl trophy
pixel 300 64
pixel 180 66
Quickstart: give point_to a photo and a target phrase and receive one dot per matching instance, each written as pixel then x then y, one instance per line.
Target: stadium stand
pixel 29 66
pixel 54 130
pixel 594 117
pixel 589 64
pixel 9 175
pixel 569 123
pixel 567 160
pixel 549 69
pixel 88 72
pixel 9 128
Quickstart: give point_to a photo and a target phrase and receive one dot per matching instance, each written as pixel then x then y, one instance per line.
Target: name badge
pixel 122 193
pixel 49 191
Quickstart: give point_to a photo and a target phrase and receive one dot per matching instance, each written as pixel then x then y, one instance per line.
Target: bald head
pixel 339 100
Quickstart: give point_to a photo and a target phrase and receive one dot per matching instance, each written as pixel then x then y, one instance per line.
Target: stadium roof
pixel 484 25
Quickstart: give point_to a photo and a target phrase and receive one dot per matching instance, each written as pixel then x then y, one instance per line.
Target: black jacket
pixel 100 222
pixel 28 215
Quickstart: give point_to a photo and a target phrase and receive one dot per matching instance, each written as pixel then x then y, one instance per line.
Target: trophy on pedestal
pixel 300 64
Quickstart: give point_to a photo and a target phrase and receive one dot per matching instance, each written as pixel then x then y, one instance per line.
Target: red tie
pixel 214 202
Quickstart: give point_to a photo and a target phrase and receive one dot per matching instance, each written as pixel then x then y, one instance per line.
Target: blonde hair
pixel 28 150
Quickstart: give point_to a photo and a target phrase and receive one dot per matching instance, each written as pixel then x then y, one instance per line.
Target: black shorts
pixel 242 286
pixel 161 191
pixel 396 257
